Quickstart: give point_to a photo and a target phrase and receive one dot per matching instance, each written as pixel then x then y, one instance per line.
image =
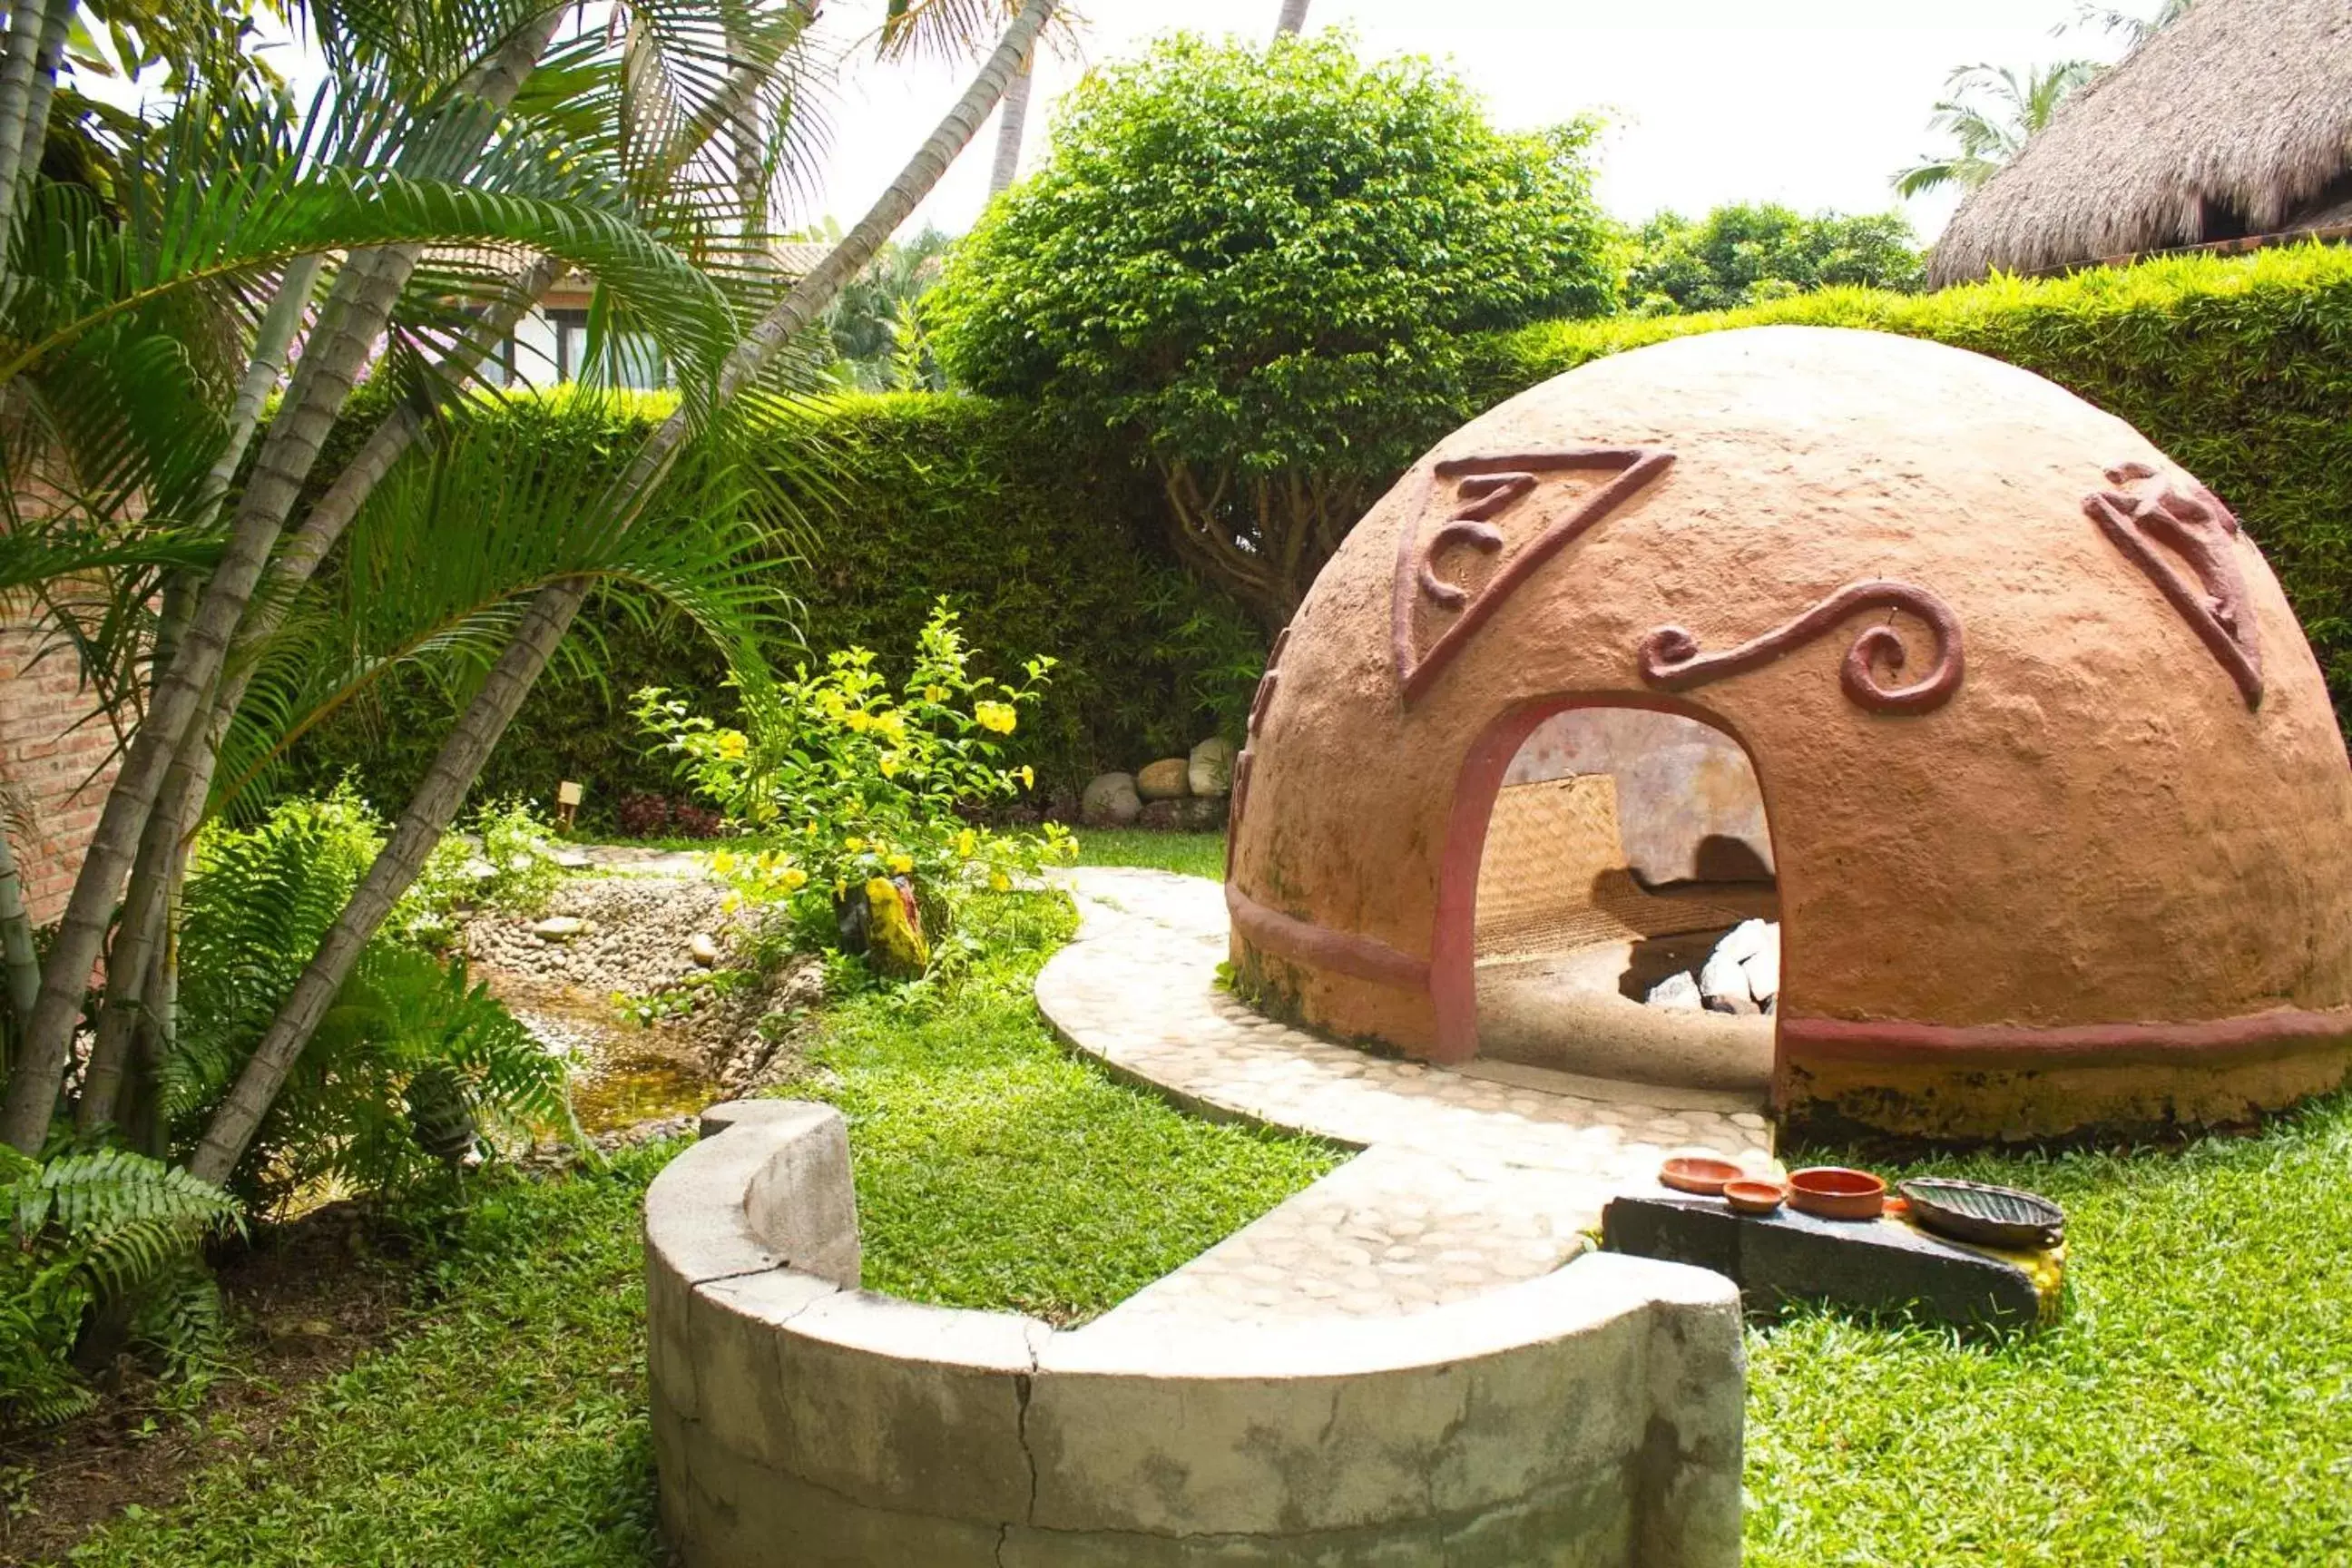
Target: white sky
pixel 1814 103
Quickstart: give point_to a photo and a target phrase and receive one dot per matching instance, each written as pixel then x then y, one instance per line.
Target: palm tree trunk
pixel 340 347
pixel 29 25
pixel 139 930
pixel 551 615
pixel 143 929
pixel 1292 18
pixel 24 970
pixel 1012 119
pixel 45 66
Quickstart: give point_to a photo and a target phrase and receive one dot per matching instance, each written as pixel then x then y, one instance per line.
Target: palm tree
pixel 552 611
pixel 1292 18
pixel 1989 112
pixel 1011 120
pixel 245 233
pixel 2135 30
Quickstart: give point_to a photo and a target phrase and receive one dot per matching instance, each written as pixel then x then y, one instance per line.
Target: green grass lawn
pixel 1193 854
pixel 2194 1407
pixel 993 1170
pixel 508 1425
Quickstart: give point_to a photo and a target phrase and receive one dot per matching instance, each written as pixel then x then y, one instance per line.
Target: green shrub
pixel 352 1113
pixel 90 1230
pixel 2241 368
pixel 1260 264
pixel 853 782
pixel 1040 544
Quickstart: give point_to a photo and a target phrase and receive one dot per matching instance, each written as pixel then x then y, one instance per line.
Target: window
pixel 637 358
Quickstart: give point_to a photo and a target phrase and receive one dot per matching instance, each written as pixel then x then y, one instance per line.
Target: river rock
pixel 1763 969
pixel 1723 986
pixel 1677 991
pixel 1167 779
pixel 703 948
pixel 559 928
pixel 1211 768
pixel 1110 800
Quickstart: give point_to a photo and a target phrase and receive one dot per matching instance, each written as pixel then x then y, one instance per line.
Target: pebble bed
pixel 573 993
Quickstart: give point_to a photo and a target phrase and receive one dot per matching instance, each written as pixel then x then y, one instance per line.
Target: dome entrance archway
pixel 1619 845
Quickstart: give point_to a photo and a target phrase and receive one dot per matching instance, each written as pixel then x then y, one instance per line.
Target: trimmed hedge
pixel 2241 368
pixel 924 495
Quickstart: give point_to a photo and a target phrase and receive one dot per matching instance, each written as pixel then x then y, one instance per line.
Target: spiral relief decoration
pixel 1670 657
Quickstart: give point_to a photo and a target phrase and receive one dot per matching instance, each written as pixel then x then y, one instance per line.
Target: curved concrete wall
pixel 1589 1417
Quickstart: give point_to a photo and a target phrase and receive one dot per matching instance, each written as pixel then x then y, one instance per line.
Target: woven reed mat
pixel 1553 877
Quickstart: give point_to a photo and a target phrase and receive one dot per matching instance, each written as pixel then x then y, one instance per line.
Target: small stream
pixel 622 1074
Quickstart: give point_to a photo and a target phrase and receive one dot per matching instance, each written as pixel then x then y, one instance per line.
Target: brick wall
pixel 56 759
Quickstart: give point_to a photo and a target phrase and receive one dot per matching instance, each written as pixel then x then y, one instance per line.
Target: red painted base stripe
pixel 2282 1031
pixel 1285 936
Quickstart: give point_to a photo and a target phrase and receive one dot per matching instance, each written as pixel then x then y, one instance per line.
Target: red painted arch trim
pixel 2282 1031
pixel 1319 947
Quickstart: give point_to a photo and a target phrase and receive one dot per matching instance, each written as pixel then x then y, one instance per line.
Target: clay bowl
pixel 1747 1195
pixel 1833 1192
pixel 1699 1174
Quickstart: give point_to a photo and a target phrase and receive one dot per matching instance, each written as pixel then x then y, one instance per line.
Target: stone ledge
pixel 1595 1410
pixel 1787 1258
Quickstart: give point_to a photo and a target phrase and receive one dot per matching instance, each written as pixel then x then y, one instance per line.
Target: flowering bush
pixel 846 780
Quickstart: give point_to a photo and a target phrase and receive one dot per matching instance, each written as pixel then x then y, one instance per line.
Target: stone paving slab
pixel 1470 1180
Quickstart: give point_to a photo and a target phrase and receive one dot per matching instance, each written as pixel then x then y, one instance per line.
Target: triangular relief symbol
pixel 1435 612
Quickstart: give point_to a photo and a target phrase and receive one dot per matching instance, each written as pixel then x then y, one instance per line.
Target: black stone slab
pixel 1788 1257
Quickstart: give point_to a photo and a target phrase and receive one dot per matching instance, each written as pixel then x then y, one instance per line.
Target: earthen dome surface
pixel 2061 815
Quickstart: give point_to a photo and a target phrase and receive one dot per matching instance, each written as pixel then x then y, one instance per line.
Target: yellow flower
pixel 853 844
pixel 996 716
pixel 794 878
pixel 1000 882
pixel 1028 776
pixel 902 864
pixel 731 902
pixel 857 720
pixel 935 694
pixel 966 843
pixel 890 765
pixel 723 863
pixel 731 744
pixel 840 887
pixel 893 726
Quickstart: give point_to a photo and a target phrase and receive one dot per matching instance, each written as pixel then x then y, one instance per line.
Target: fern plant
pixel 95 1229
pixel 259 900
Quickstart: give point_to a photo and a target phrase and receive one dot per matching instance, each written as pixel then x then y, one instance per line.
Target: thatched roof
pixel 2242 106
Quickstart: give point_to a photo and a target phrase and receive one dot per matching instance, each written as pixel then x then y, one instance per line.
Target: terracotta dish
pixel 1833 1192
pixel 1699 1174
pixel 1748 1196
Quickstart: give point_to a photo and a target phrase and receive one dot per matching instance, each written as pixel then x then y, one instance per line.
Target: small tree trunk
pixel 551 615
pixel 341 347
pixel 1012 120
pixel 1292 18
